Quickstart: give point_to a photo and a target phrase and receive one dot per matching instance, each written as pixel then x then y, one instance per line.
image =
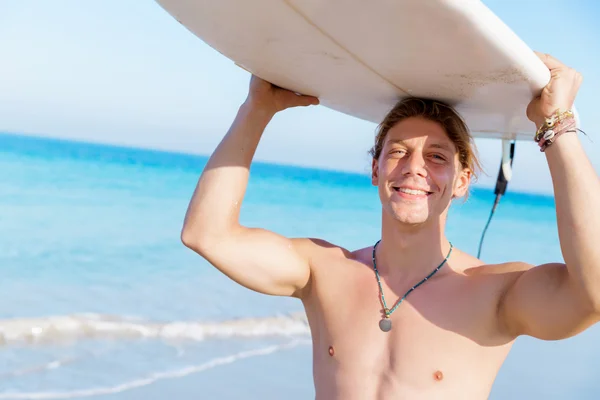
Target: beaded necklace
pixel 386 323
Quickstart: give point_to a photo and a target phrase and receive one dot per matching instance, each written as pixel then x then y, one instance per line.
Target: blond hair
pixel 435 111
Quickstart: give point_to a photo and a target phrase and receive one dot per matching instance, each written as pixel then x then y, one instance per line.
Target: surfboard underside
pixel 361 57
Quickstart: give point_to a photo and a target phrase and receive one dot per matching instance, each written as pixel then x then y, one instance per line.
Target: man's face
pixel 418 172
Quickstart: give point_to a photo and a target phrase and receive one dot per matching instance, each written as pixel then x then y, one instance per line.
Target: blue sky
pixel 128 73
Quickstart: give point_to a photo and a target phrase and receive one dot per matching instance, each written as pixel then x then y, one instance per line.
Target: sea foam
pixel 81 326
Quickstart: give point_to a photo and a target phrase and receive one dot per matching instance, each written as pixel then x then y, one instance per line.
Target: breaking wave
pixel 82 326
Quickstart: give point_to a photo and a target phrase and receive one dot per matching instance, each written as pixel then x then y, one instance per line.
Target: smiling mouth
pixel 413 192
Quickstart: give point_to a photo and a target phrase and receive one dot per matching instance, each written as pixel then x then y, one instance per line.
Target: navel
pixel 331 351
pixel 438 376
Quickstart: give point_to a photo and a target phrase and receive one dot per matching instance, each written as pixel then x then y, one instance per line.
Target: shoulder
pixel 501 281
pixel 499 276
pixel 322 253
pixel 315 248
pixel 326 261
pixel 504 271
pixel 491 284
pixel 494 279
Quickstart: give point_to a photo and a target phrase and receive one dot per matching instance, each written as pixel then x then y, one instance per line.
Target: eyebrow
pixel 441 146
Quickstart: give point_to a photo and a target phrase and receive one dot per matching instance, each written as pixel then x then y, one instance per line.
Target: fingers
pixel 532 108
pixel 549 61
pixel 291 99
pixel 301 101
pixel 554 64
pixel 309 100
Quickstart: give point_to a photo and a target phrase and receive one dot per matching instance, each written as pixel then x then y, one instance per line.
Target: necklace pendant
pixel 385 324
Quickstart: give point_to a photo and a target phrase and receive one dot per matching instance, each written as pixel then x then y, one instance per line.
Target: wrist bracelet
pixel 555 126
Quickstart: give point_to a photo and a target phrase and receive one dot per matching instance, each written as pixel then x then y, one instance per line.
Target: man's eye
pixel 438 157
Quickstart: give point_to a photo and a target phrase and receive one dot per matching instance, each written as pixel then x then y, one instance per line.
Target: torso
pixel 444 341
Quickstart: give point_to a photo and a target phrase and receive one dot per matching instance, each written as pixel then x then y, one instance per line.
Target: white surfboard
pixel 360 57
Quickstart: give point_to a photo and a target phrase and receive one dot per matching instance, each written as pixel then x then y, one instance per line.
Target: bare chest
pixel 443 331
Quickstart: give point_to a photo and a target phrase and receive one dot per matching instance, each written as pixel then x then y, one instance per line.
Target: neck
pixel 410 250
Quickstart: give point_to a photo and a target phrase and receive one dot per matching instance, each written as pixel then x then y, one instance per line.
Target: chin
pixel 409 215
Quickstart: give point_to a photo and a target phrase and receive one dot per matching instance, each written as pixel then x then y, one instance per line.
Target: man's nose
pixel 414 164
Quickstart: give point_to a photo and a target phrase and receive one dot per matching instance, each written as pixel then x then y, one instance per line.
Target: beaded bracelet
pixel 554 126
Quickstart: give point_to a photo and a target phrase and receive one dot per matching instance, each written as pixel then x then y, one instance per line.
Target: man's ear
pixel 374 172
pixel 462 183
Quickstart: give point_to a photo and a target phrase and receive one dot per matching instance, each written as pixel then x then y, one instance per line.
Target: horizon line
pixel 151 149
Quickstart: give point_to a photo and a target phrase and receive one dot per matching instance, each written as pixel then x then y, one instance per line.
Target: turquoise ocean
pixel 99 298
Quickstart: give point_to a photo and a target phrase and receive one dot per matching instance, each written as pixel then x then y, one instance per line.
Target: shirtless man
pixel 448 339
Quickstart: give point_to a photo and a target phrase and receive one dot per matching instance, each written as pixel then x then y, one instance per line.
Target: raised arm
pixel 258 259
pixel 555 301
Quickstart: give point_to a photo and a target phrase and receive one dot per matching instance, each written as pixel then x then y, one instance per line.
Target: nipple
pixel 438 376
pixel 331 352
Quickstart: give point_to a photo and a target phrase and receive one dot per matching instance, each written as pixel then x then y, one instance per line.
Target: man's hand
pixel 559 93
pixel 273 99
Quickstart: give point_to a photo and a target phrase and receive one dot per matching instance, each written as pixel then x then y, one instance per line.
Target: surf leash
pixel 504 176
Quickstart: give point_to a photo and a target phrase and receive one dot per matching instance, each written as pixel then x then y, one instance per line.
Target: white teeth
pixel 412 191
